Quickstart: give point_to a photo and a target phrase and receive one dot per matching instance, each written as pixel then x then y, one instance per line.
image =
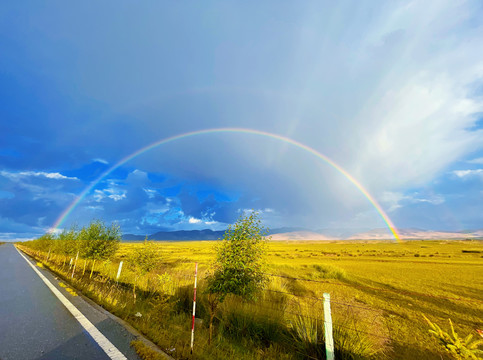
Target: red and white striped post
pixel 194 310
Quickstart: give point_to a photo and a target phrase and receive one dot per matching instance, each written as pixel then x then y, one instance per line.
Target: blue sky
pixel 393 93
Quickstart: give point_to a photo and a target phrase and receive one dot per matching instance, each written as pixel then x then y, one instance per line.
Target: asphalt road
pixel 34 324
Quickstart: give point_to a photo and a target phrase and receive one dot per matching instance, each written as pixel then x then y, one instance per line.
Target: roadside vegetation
pixel 381 292
pixel 2 242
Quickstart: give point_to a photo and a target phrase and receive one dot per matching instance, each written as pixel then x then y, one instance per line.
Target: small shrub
pixel 459 348
pixel 307 336
pixel 329 272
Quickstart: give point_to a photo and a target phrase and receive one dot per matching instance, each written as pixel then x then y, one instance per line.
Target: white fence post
pixel 329 340
pixel 75 264
pixel 194 310
pixel 119 271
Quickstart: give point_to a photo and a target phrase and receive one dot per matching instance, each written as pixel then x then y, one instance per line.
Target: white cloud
pixel 396 200
pixel 94 208
pixel 48 175
pixel 465 173
pixel 193 220
pixel 102 161
pixel 478 161
pixel 151 193
pixel 392 199
pixel 98 195
pixel 433 199
pixel 117 197
pixel 112 193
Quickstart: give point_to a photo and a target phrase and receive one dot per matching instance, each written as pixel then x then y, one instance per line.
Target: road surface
pixel 35 324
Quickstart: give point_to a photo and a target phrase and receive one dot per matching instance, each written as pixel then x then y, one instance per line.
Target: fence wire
pixel 350 317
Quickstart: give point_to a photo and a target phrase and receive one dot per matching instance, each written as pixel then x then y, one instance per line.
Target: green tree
pixel 66 243
pixel 98 241
pixel 142 260
pixel 239 265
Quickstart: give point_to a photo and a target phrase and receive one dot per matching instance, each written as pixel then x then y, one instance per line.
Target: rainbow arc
pixel 61 219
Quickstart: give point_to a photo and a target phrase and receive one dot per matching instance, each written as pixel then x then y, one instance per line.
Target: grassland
pixel 379 294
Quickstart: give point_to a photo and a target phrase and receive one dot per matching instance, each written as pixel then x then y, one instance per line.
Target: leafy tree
pixel 98 241
pixel 239 264
pixel 66 243
pixel 142 260
pixel 44 242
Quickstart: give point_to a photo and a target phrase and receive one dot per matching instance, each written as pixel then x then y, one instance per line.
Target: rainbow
pixel 285 139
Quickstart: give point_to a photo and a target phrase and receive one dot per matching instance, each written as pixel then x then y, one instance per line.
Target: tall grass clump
pixel 247 320
pixel 308 335
pixel 328 272
pixel 459 348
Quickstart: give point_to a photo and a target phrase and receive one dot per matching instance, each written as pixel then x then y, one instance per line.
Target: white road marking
pixel 101 340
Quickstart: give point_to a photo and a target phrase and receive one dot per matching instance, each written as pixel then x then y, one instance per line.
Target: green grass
pixel 379 291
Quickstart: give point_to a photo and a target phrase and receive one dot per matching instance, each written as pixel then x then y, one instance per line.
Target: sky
pixel 391 92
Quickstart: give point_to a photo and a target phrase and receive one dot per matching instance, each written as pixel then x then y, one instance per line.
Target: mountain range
pixel 287 233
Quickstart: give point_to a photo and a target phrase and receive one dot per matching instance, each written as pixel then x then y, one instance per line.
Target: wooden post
pixel 85 263
pixel 194 309
pixel 329 340
pixel 119 271
pixel 75 264
pixel 92 270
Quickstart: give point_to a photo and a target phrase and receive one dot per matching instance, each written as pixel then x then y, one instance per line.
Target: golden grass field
pixel 379 291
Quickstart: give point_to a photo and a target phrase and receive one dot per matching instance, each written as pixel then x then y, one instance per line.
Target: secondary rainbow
pixel 285 139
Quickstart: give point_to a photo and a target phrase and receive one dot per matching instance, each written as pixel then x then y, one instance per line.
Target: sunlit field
pixel 379 292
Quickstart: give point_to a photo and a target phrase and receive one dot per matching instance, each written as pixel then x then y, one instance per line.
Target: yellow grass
pixel 386 286
pixel 379 294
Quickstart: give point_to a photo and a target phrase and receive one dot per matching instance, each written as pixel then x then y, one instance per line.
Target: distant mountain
pixel 341 233
pixel 286 230
pixel 289 233
pixel 417 234
pixel 187 235
pixel 132 237
pixel 206 234
pixel 302 235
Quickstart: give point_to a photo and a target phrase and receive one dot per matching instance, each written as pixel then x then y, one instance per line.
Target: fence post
pixel 92 270
pixel 85 263
pixel 119 271
pixel 75 264
pixel 329 340
pixel 194 310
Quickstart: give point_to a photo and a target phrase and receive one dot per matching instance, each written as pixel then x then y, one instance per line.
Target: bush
pixel 459 348
pixel 239 265
pixel 144 258
pixel 99 242
pixel 329 272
